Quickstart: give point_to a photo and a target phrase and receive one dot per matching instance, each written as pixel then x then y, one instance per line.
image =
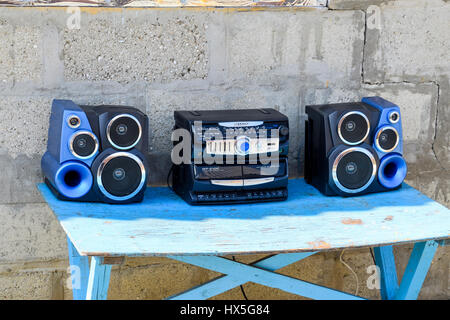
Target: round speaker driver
pixel 354 170
pixel 121 176
pixel 124 131
pixel 353 127
pixel 386 139
pixel 83 144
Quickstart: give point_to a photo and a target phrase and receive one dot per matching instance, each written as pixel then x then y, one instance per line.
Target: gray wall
pixel 161 60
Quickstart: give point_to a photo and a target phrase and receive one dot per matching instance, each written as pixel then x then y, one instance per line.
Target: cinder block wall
pixel 161 60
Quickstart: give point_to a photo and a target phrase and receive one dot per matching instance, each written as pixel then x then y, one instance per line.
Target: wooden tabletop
pixel 163 224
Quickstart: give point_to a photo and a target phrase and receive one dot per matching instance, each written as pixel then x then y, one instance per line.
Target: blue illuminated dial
pixel 242 145
pixel 245 146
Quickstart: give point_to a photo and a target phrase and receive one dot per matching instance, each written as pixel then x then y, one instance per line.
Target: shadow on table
pixel 303 200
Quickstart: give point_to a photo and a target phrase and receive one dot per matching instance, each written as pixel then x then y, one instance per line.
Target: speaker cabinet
pixel 354 148
pixel 96 153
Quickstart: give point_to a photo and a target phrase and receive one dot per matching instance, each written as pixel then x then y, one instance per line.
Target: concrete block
pixel 254 44
pixel 30 232
pixel 24 124
pixel 136 46
pixel 19 178
pixel 26 286
pixel 20 53
pixel 406 45
pixel 320 47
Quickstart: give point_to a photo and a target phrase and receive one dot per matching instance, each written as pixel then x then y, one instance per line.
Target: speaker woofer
pixel 73 179
pixel 353 127
pixel 392 170
pixel 121 176
pixel 386 139
pixel 83 144
pixel 354 169
pixel 124 131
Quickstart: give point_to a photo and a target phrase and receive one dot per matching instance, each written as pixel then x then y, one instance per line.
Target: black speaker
pixel 96 153
pixel 354 148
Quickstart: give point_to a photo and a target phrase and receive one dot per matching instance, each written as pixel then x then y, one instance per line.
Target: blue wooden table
pixel 307 223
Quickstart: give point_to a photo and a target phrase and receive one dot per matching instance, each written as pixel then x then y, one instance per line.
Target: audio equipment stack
pixel 96 153
pixel 354 148
pixel 250 152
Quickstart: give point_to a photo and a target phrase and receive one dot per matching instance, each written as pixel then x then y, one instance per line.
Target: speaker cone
pixel 353 127
pixel 124 131
pixel 121 176
pixel 354 169
pixel 386 139
pixel 83 144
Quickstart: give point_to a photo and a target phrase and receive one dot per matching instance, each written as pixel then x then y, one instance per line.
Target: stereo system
pixel 249 149
pixel 96 153
pixel 354 148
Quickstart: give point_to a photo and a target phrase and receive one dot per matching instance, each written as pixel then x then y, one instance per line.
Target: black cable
pixel 242 288
pixel 168 177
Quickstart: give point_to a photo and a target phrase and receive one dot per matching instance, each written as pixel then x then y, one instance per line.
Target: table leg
pixel 416 270
pixel 384 258
pixel 79 272
pixel 98 283
pixel 414 275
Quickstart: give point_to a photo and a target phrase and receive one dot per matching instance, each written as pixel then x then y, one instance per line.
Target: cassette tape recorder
pixel 232 156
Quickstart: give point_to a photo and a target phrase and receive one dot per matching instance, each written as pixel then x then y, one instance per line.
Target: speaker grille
pixel 121 176
pixel 386 139
pixel 124 131
pixel 83 144
pixel 353 127
pixel 354 170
